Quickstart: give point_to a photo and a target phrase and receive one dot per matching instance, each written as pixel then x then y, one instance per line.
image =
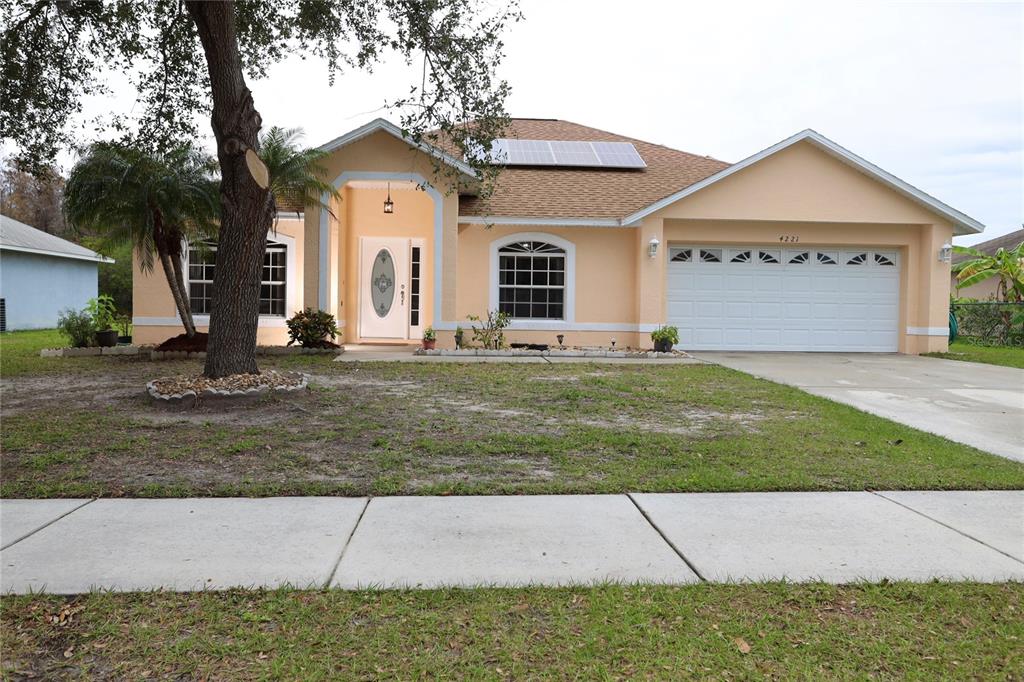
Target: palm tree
pixel 296 174
pixel 1006 264
pixel 153 201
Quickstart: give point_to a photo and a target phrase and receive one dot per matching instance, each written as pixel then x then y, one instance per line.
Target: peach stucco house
pixel 595 236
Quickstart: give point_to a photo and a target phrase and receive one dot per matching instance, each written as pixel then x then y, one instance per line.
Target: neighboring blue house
pixel 41 275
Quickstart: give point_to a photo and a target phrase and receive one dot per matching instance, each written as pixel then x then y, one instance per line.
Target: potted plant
pixel 124 324
pixel 459 334
pixel 664 338
pixel 429 338
pixel 103 313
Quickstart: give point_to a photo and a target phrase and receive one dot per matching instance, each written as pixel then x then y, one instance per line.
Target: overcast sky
pixel 930 92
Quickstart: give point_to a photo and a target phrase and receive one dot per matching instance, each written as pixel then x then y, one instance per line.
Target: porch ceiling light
pixel 389 206
pixel 652 247
pixel 946 253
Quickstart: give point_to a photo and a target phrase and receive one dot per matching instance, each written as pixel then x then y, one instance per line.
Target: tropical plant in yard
pixel 152 201
pixel 1005 264
pixel 296 173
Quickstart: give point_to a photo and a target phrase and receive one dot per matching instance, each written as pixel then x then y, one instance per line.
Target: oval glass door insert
pixel 382 283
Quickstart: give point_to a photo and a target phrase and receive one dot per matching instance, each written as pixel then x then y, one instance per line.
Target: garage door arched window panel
pixel 532 280
pixel 677 255
pixel 827 257
pixel 798 257
pixel 739 257
pixel 768 257
pixel 202 261
pixel 857 259
pixel 710 255
pixel 884 259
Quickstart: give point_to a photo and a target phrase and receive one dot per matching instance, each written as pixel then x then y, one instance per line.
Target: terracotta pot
pixel 429 344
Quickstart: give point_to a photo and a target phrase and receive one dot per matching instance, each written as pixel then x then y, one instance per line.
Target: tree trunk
pixel 180 301
pixel 184 308
pixel 245 206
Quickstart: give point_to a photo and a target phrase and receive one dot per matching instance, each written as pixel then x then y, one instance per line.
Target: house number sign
pixel 789 238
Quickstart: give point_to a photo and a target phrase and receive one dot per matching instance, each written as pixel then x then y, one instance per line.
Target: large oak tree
pixel 187 58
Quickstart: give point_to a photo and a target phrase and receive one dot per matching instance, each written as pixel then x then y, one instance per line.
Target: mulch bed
pixel 182 342
pixel 236 382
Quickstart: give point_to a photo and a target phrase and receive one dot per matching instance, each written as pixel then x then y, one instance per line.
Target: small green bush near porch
pixel 812 632
pixel 83 426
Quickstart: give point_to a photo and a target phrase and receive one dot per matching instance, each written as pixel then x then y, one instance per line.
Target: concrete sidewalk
pixel 72 546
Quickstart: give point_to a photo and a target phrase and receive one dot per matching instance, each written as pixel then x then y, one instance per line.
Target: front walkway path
pixel 72 546
pixel 971 403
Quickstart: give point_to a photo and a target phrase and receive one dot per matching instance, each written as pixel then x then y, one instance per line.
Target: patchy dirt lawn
pixel 390 428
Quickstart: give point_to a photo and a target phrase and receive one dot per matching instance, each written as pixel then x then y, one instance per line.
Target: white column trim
pixel 928 331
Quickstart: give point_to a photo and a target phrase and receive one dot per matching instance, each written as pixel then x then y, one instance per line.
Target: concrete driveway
pixel 971 403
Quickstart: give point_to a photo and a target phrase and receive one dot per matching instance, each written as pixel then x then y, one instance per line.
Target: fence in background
pixel 989 322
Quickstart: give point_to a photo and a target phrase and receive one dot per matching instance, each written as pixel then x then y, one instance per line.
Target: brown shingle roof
pixel 1006 241
pixel 547 192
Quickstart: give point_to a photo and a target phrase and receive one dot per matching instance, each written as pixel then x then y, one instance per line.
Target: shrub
pixel 491 334
pixel 78 327
pixel 102 311
pixel 311 328
pixel 666 334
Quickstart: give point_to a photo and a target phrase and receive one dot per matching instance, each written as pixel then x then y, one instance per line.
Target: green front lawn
pixel 895 631
pixel 1008 356
pixel 85 428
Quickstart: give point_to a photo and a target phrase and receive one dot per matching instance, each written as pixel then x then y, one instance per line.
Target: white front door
pixel 383 288
pixel 784 299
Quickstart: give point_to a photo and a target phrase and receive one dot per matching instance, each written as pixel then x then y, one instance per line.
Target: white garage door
pixel 792 299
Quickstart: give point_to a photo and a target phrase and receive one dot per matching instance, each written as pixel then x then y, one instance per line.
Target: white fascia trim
pixel 199 320
pixel 928 331
pixel 570 275
pixel 438 245
pixel 390 128
pixel 290 215
pixel 964 222
pixel 556 326
pixel 97 258
pixel 541 222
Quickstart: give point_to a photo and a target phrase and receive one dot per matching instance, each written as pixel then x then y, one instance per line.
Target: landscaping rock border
pixel 191 398
pixel 149 353
pixel 556 353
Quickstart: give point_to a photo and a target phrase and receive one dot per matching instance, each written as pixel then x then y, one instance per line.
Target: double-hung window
pixel 202 259
pixel 531 280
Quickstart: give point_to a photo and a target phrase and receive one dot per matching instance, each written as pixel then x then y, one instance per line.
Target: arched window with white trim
pixel 531 280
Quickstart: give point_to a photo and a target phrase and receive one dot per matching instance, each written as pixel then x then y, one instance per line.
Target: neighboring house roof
pixel 1006 241
pixel 554 192
pixel 17 236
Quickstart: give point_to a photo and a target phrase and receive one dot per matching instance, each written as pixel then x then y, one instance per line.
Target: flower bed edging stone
pixel 148 353
pixel 517 353
pixel 191 398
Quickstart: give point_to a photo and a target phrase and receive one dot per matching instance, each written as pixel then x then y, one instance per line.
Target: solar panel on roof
pixel 618 154
pixel 579 153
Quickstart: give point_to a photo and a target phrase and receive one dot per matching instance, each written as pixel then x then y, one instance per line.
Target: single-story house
pixel 984 291
pixel 42 275
pixel 594 236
